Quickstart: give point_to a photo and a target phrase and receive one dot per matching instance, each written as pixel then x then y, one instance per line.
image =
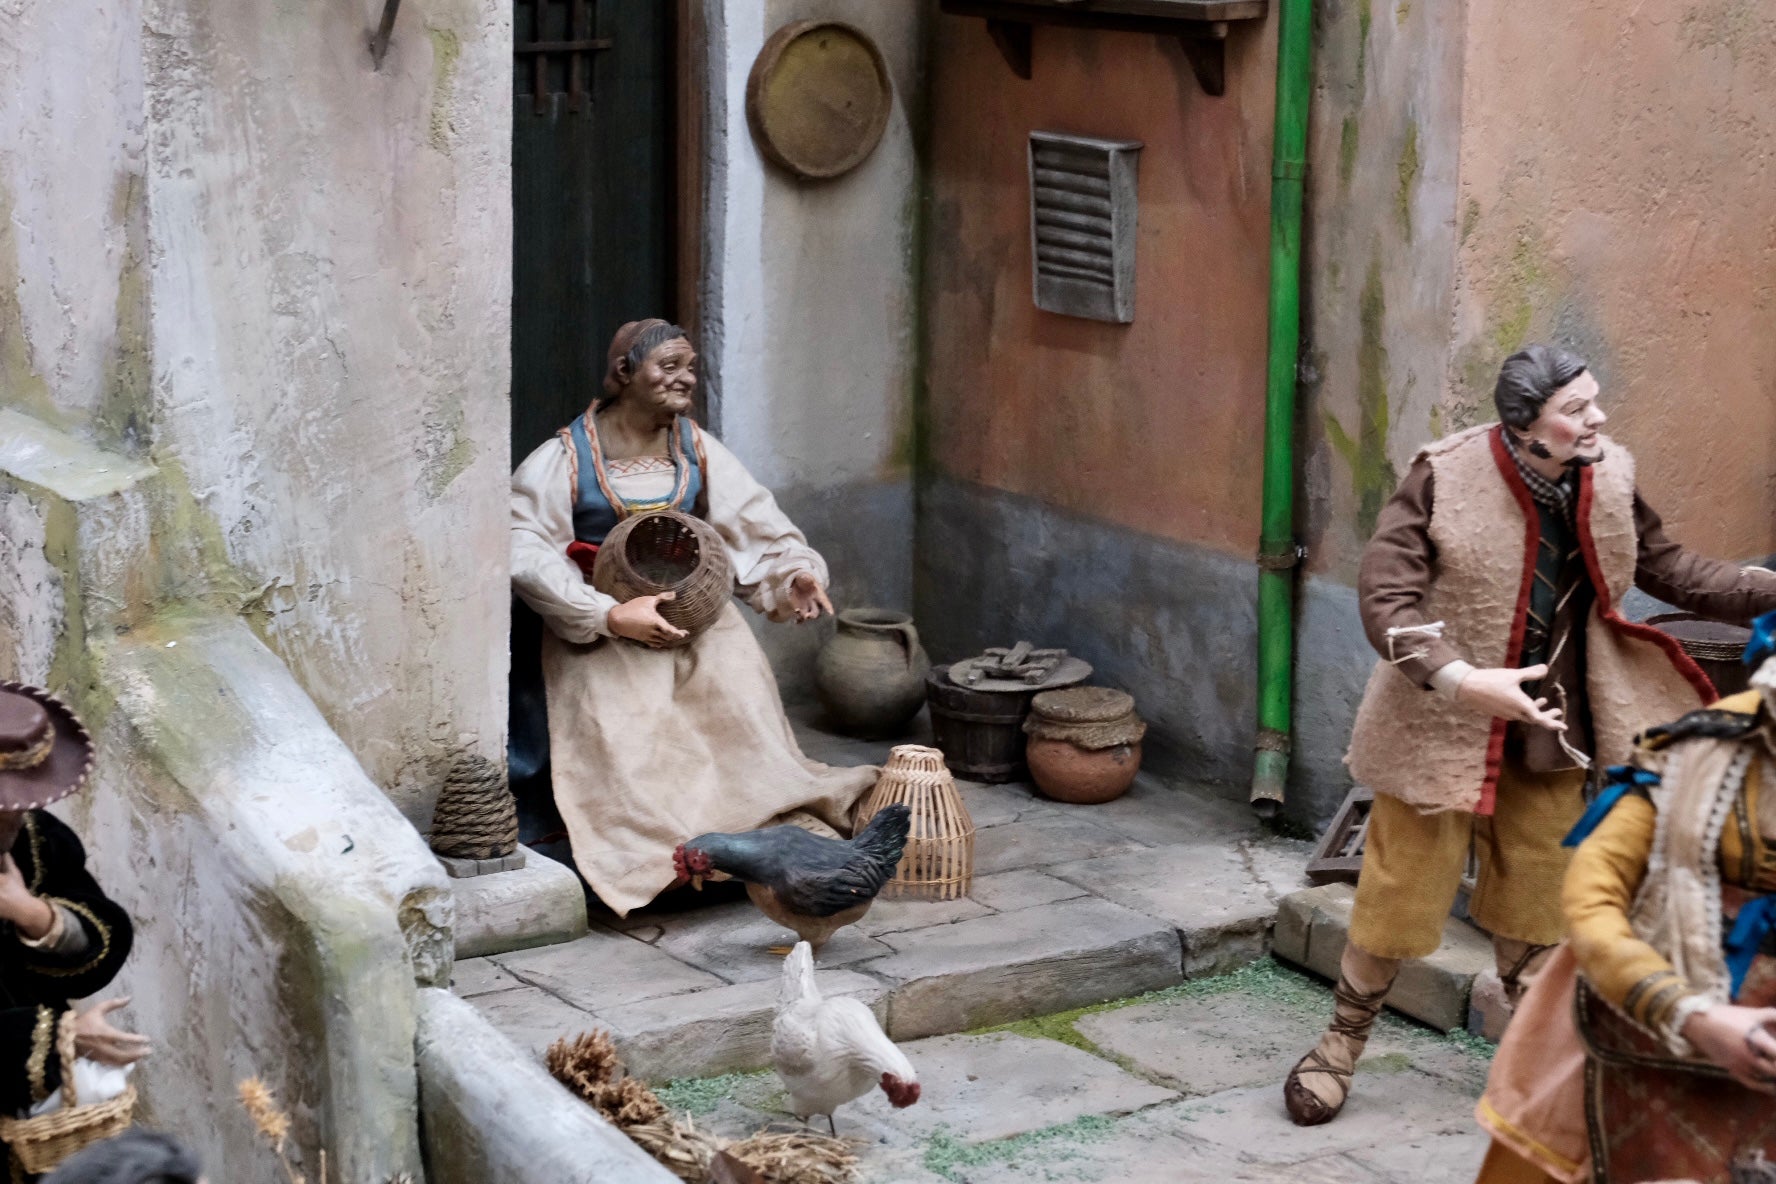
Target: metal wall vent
pixel 1082 225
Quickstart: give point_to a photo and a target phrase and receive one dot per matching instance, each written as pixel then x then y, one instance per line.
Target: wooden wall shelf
pixel 1201 26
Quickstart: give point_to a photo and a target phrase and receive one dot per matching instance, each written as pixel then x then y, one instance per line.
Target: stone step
pixel 538 904
pixel 1312 926
pixel 1029 962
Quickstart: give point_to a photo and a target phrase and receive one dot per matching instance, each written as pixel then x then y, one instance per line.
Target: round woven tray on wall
pixel 40 1144
pixel 939 859
pixel 666 551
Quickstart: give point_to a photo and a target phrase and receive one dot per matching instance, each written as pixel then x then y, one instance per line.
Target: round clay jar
pixel 1085 744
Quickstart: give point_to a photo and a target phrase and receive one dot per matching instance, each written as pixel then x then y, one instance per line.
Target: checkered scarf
pixel 1560 496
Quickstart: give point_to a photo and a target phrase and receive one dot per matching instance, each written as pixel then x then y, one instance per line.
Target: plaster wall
pixel 1616 179
pixel 330 283
pixel 1156 425
pixel 810 313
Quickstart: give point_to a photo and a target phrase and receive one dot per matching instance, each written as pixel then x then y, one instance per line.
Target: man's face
pixel 667 380
pixel 1567 427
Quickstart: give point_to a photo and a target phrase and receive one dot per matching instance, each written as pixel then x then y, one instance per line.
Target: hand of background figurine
pixel 96 1040
pixel 1739 1040
pixel 30 915
pixel 807 597
pixel 1499 692
pixel 640 620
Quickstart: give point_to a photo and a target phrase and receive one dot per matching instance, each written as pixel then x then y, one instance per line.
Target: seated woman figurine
pixel 61 937
pixel 651 745
pixel 1647 1048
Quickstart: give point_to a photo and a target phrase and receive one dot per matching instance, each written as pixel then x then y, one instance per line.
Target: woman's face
pixel 667 380
pixel 1566 429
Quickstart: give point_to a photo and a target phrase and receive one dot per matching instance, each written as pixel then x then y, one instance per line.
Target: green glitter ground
pixel 945 1154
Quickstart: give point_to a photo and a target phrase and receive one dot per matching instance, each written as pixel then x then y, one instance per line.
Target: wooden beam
pixel 1015 40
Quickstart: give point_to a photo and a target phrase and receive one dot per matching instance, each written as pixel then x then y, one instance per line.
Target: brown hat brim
pixel 63 772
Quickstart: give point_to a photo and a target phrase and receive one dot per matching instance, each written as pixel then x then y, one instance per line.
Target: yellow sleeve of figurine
pixel 1606 871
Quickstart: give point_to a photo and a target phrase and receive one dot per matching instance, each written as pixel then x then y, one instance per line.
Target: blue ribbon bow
pixel 1619 780
pixel 1763 640
pixel 1756 921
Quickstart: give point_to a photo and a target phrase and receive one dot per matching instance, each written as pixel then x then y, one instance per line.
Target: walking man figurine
pixel 1492 590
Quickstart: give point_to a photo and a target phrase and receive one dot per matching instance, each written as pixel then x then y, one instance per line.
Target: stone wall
pixel 809 318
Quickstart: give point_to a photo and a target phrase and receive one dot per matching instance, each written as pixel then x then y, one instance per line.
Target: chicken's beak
pixel 697 883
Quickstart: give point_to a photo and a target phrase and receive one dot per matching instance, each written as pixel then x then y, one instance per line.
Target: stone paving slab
pixel 1044 840
pixel 1024 963
pixel 1021 889
pixel 896 916
pixel 996 805
pixel 605 969
pixel 718 1030
pixel 1218 895
pixel 481 976
pixel 1155 813
pixel 532 1017
pixel 965 1084
pixel 1253 1122
pixel 734 942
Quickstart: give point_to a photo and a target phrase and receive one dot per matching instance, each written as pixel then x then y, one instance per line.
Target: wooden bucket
pixel 1716 646
pixel 981 733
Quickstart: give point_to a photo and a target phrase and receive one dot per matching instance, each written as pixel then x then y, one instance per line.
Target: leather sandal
pixel 1307 1108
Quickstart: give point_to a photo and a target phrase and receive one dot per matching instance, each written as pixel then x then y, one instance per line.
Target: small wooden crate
pixel 939 859
pixel 1339 856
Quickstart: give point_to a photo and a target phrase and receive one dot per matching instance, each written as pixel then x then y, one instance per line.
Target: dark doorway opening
pixel 598 238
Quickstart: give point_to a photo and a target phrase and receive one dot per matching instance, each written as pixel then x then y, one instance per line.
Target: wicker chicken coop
pixel 666 551
pixel 939 859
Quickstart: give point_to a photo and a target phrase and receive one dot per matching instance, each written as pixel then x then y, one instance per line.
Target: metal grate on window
pixel 1082 225
pixel 553 46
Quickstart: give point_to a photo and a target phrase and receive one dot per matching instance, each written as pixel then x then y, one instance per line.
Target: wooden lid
pixel 818 98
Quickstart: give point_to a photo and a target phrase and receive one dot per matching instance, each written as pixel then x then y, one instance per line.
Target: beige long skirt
pixel 651 747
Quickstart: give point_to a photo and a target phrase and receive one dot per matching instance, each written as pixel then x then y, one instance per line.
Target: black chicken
pixel 813 885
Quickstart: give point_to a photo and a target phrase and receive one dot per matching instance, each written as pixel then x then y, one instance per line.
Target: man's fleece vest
pixel 1424 749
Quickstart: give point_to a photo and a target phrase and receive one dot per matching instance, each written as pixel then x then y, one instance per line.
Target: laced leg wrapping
pixel 1335 1056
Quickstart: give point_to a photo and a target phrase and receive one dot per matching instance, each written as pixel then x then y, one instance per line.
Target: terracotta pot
pixel 1085 744
pixel 1084 776
pixel 871 675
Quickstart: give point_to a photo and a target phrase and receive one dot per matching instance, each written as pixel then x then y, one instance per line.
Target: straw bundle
pixel 939 859
pixel 589 1066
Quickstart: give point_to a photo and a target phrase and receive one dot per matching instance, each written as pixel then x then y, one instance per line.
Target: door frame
pixel 692 118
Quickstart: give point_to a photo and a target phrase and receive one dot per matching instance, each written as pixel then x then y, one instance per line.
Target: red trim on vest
pixel 1686 666
pixel 1532 539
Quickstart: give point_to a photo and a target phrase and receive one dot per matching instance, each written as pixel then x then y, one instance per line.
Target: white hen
pixel 832 1051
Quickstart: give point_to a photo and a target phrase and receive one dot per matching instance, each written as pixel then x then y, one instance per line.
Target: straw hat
pixel 45 753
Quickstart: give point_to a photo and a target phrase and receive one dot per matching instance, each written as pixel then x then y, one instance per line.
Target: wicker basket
pixel 939 859
pixel 40 1144
pixel 666 551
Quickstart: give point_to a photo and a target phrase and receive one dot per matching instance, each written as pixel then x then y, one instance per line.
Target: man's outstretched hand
pixel 1498 692
pixel 808 598
pixel 97 1040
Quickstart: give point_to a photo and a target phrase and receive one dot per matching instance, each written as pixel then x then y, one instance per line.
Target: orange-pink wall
pixel 1156 425
pixel 1618 190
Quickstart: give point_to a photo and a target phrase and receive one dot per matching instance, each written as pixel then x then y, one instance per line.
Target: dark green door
pixel 593 131
pixel 592 195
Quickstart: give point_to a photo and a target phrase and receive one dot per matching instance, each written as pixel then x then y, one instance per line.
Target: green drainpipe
pixel 1278 553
